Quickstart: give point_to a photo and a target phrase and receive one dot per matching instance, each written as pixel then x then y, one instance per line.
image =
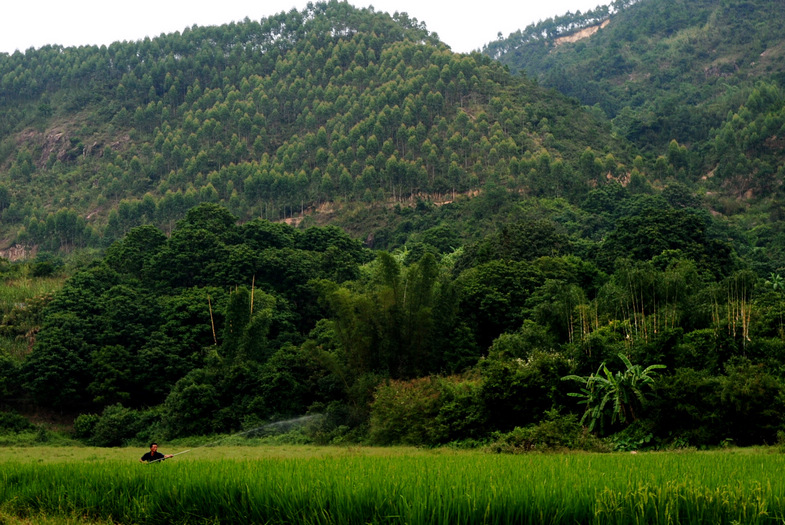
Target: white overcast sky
pixel 464 25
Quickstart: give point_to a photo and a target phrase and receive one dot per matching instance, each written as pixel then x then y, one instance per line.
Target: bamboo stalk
pixel 212 321
pixel 253 284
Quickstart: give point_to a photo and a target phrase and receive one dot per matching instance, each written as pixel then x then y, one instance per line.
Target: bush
pixel 84 425
pixel 687 407
pixel 116 426
pixel 191 406
pixel 149 426
pixel 745 404
pixel 402 412
pixel 517 392
pixel 461 415
pixel 557 432
pixel 12 423
pixel 637 436
pixel 427 411
pixel 753 403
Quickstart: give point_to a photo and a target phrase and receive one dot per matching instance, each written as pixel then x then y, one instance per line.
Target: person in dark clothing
pixel 154 455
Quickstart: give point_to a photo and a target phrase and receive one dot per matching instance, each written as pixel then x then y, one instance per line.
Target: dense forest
pixel 328 212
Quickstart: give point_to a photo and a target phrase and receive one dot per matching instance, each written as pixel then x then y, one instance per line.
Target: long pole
pixel 212 442
pixel 170 456
pixel 238 434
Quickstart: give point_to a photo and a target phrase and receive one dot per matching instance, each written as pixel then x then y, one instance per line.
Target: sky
pixel 464 25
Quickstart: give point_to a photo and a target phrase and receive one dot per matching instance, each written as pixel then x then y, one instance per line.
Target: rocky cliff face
pixel 18 252
pixel 580 35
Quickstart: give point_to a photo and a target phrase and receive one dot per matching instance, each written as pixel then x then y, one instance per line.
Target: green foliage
pixel 9 382
pixel 619 394
pixel 519 392
pixel 341 105
pixel 653 232
pixel 658 76
pixel 402 412
pixel 133 252
pixel 221 359
pixel 753 402
pixel 743 403
pixel 493 294
pixel 521 241
pixel 462 416
pixel 555 433
pixel 636 436
pixel 14 423
pixel 391 321
pixel 191 406
pixel 525 239
pixel 114 427
pixel 84 425
pixel 427 411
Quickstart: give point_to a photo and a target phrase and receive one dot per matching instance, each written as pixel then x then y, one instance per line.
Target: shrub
pixel 461 413
pixel 638 436
pixel 557 432
pixel 687 406
pixel 84 425
pixel 116 425
pixel 752 402
pixel 517 392
pixel 12 423
pixel 402 412
pixel 704 349
pixel 191 406
pixel 427 411
pixel 149 426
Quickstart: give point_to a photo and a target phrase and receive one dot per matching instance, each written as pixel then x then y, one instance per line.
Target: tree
pixel 493 297
pixel 133 252
pixel 247 323
pixel 386 324
pixel 192 256
pixel 5 197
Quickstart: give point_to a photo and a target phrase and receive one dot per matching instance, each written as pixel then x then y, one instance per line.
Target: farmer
pixel 154 455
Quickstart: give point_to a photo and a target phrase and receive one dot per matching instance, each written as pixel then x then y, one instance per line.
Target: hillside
pixel 498 245
pixel 660 70
pixel 278 119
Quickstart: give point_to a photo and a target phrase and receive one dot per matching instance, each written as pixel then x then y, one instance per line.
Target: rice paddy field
pixel 334 485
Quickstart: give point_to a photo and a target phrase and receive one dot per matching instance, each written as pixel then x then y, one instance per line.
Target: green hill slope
pixel 660 69
pixel 518 240
pixel 303 111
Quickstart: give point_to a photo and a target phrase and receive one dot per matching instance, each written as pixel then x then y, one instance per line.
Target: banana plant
pixel 615 394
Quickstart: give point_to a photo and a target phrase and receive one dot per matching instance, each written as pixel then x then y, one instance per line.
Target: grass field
pixel 348 485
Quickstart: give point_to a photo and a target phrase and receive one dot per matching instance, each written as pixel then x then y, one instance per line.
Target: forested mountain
pixel 271 119
pixel 665 70
pixel 329 212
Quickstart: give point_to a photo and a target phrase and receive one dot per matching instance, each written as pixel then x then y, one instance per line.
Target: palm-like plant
pixel 776 282
pixel 618 394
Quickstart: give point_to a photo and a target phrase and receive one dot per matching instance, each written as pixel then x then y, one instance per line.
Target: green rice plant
pixel 414 487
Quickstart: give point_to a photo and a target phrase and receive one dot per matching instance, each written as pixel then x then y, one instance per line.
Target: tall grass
pixel 16 293
pixel 423 488
pixel 19 290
